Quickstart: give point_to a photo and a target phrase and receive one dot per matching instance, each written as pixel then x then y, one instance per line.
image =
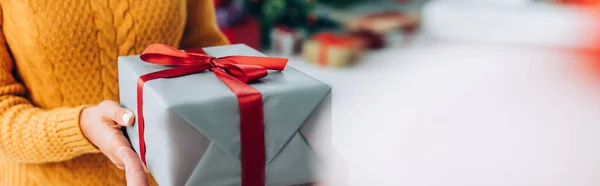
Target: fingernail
pixel 126 117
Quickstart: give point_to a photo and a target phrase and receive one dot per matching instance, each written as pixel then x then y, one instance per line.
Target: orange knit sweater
pixel 58 56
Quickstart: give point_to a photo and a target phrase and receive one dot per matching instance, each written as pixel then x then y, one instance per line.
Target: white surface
pixel 535 24
pixel 500 2
pixel 441 114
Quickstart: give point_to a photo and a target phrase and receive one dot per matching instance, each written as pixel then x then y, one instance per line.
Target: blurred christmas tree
pixel 340 3
pixel 296 14
pixel 293 12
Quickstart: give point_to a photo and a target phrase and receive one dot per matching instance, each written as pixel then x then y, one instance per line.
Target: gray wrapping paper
pixel 192 123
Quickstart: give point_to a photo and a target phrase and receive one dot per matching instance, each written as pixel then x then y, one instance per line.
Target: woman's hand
pixel 101 124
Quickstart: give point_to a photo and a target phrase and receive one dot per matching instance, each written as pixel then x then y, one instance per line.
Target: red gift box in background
pixel 246 32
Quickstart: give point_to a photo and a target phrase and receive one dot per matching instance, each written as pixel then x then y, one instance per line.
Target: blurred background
pixel 446 92
pixel 283 26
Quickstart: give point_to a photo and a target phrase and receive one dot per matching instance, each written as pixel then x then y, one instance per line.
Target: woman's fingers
pixel 134 170
pixel 113 141
pixel 125 158
pixel 101 125
pixel 113 111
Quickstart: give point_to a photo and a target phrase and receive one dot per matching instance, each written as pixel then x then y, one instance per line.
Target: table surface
pixel 423 112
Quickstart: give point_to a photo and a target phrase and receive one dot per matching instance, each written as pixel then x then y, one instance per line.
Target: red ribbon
pixel 286 29
pixel 235 72
pixel 327 39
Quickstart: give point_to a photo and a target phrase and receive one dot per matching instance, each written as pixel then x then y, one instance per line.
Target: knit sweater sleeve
pixel 201 28
pixel 29 134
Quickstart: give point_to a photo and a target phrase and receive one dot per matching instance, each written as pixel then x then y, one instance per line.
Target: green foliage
pixel 297 14
pixel 292 13
pixel 341 3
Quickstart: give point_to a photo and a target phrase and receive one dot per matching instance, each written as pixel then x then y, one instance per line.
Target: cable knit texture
pixel 59 56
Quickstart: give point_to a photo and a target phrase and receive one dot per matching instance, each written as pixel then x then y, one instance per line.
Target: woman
pixel 59 114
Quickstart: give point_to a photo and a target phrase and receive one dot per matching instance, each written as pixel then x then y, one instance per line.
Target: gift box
pixel 384 22
pixel 225 115
pixel 286 41
pixel 247 32
pixel 230 14
pixel 371 40
pixel 339 50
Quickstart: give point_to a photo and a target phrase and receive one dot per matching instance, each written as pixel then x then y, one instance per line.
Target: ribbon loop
pixel 166 55
pixel 245 73
pixel 244 68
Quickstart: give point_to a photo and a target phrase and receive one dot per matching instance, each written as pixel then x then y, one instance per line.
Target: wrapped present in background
pixel 222 131
pixel 384 22
pixel 339 50
pixel 229 13
pixel 371 39
pixel 247 32
pixel 286 41
pixel 329 49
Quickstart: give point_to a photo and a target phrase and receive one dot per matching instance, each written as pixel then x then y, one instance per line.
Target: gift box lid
pixel 202 100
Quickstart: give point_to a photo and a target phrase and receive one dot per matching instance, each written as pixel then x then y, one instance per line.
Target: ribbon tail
pixel 140 120
pixel 252 136
pixel 168 73
pixel 323 54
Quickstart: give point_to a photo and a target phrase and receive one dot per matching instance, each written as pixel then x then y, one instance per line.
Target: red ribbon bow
pixel 234 71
